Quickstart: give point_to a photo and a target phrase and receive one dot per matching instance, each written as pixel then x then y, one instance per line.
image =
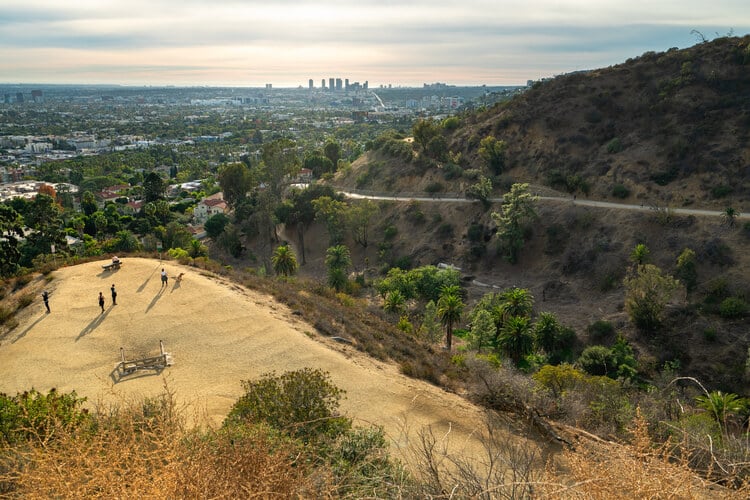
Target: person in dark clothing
pixel 114 295
pixel 163 277
pixel 45 298
pixel 101 301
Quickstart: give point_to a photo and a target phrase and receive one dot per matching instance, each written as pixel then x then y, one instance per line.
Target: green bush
pixel 597 360
pixel 302 403
pixel 434 187
pixel 732 307
pixel 33 415
pixel 614 146
pixel 390 232
pixel 620 191
pixel 721 191
pixel 600 329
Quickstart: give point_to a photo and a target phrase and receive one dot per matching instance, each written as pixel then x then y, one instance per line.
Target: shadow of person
pixel 92 326
pixel 155 299
pixel 28 328
pixel 143 285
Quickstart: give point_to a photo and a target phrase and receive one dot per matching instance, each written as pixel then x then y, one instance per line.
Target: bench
pixel 111 265
pixel 126 367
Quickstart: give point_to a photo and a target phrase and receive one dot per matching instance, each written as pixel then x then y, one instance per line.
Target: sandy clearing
pixel 218 334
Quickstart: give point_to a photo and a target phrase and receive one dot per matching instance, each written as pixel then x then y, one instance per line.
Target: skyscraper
pixel 331 84
pixel 310 84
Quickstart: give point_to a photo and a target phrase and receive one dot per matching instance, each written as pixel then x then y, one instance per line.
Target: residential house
pixel 210 206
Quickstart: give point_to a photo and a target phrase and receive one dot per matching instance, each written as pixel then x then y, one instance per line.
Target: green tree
pixel 125 241
pixel 331 211
pixel 358 218
pixel 88 203
pixel 721 405
pixel 231 241
pixel 639 255
pixel 11 229
pixel 492 152
pixel 153 187
pixel 338 262
pixel 43 215
pixel 394 302
pixel 318 163
pixel 424 131
pixel 546 332
pixel 280 163
pixel 235 180
pixel 516 338
pixel 515 302
pixel 517 207
pixel 298 210
pixel 483 330
pixel 197 249
pixel 430 327
pixel 647 292
pixel 332 151
pixel 481 191
pixel 449 310
pixel 686 270
pixel 215 225
pixel 729 216
pixel 284 262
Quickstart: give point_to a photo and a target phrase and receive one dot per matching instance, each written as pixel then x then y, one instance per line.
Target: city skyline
pixel 251 43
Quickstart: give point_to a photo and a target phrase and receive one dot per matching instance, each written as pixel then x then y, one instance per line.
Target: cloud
pixel 395 39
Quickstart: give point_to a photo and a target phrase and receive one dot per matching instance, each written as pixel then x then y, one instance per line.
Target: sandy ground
pixel 218 334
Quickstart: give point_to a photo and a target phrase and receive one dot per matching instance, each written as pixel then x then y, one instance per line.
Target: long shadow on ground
pixel 95 323
pixel 28 328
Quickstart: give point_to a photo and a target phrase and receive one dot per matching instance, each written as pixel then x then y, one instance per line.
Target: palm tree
pixel 639 255
pixel 721 405
pixel 338 261
pixel 515 302
pixel 516 337
pixel 394 301
pixel 729 215
pixel 283 260
pixel 449 309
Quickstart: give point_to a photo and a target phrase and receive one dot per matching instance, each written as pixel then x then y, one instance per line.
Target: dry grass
pixel 639 469
pixel 145 450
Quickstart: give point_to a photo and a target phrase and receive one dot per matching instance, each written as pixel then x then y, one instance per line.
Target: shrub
pixel 434 187
pixel 620 191
pixel 445 230
pixel 34 415
pixel 597 360
pixel 303 403
pixel 25 300
pixel 452 171
pixel 614 146
pixel 390 232
pixel 721 191
pixel 732 307
pixel 600 329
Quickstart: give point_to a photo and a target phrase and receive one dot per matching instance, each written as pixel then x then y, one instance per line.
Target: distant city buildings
pixel 338 84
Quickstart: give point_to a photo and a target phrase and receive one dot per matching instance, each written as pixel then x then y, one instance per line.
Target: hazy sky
pixel 285 42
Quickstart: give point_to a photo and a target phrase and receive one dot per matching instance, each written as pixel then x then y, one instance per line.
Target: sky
pixel 250 43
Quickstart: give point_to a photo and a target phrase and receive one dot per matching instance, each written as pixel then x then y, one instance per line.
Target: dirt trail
pixel 218 334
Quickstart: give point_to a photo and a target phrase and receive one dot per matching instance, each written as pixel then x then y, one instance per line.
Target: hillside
pixel 218 334
pixel 661 131
pixel 673 128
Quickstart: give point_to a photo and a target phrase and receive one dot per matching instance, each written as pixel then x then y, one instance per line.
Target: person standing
pixel 114 295
pixel 45 298
pixel 163 277
pixel 101 301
